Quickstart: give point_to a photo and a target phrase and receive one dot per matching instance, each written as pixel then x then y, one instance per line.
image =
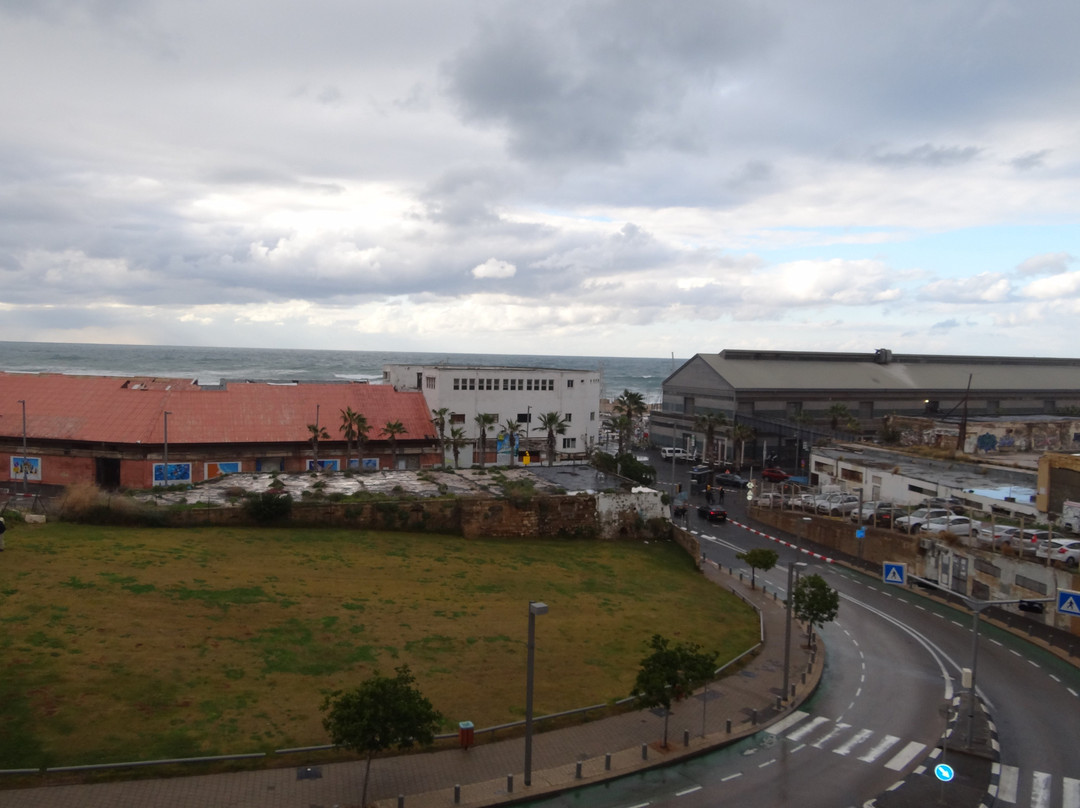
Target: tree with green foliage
pixel 484 422
pixel 622 426
pixel 742 433
pixel 709 423
pixel 317 433
pixel 760 558
pixel 671 674
pixel 381 713
pixel 457 442
pixel 554 424
pixel 361 428
pixel 629 408
pixel 391 431
pixel 839 413
pixel 513 432
pixel 438 417
pixel 814 602
pixel 268 506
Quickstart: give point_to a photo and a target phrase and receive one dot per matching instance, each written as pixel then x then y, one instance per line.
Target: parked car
pixel 948 503
pixel 673 453
pixel 838 504
pixel 998 536
pixel 774 475
pixel 772 500
pixel 803 502
pixel 1029 540
pixel 953 524
pixel 711 514
pixel 882 516
pixel 1066 551
pixel 867 510
pixel 730 480
pixel 914 521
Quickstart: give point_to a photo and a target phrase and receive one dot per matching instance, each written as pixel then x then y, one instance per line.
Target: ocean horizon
pixel 211 365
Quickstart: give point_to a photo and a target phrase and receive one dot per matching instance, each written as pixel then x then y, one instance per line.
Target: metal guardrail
pixel 89 767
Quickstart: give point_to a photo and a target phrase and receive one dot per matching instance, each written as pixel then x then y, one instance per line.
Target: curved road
pixel 893 665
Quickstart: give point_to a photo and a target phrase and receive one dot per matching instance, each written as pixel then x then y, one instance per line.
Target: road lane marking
pixel 856 739
pixel 1007 783
pixel 831 734
pixel 802 732
pixel 686 791
pixel 883 746
pixel 791 720
pixel 905 756
pixel 1040 790
pixel 730 777
pixel 1070 792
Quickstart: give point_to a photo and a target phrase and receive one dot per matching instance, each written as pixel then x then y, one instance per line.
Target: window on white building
pixel 569 417
pixel 429 382
pixel 569 443
pixel 569 382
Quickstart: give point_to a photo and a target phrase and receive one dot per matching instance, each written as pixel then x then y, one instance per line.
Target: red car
pixel 774 475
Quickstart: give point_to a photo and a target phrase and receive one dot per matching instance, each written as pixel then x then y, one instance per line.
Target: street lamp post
pixel 25 461
pixel 791 577
pixel 535 608
pixel 165 452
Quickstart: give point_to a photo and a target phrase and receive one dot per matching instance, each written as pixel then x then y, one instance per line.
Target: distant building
pixel 520 394
pixel 116 431
pixel 786 395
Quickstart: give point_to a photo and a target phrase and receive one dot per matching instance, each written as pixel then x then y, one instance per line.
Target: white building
pixel 521 394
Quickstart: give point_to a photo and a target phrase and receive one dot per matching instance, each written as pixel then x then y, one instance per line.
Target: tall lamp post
pixel 165 453
pixel 791 578
pixel 535 608
pixel 25 461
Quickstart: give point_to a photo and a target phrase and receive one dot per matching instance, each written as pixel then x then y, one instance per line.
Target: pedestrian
pixel 3 527
pixel 721 496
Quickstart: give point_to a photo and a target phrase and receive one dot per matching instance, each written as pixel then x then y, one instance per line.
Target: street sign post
pixel 893 573
pixel 944 772
pixel 1068 602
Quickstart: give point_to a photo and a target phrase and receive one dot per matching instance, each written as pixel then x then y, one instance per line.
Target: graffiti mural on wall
pixel 178 473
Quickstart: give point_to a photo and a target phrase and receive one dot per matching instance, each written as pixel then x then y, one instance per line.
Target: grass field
pixel 131 644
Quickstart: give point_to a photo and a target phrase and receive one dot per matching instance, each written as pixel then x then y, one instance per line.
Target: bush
pixel 269 506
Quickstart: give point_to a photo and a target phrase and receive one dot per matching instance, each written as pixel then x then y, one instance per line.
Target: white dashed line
pixel 686 791
pixel 730 777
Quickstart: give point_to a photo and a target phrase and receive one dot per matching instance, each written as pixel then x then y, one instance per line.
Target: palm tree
pixel 632 406
pixel 362 427
pixel 708 423
pixel 439 417
pixel 742 433
pixel 484 421
pixel 348 431
pixel 623 427
pixel 555 425
pixel 513 432
pixel 457 442
pixel 838 412
pixel 391 431
pixel 318 433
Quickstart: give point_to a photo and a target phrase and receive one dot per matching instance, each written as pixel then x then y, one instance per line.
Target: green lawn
pixel 129 643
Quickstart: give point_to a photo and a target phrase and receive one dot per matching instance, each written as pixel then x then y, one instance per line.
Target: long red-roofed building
pixel 111 430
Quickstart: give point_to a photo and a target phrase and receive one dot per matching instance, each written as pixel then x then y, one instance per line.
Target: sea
pixel 212 365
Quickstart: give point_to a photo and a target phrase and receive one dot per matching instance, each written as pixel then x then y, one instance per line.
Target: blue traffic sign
pixel 860 533
pixel 892 573
pixel 1068 602
pixel 944 772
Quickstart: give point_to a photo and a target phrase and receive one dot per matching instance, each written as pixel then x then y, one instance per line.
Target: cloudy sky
pixel 590 178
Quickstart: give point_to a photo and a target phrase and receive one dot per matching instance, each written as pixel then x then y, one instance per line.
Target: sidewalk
pixel 484 772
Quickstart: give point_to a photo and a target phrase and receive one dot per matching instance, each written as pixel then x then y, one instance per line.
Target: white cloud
pixel 493 268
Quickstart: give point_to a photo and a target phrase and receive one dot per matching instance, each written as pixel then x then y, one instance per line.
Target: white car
pixel 838 504
pixel 1067 551
pixel 952 524
pixel 913 522
pixel 998 536
pixel 672 453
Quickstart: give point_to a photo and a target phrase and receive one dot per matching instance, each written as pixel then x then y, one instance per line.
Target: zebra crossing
pixel 1010 785
pixel 1035 790
pixel 842 739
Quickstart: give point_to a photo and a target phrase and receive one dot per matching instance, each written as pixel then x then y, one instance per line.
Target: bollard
pixel 804 677
pixel 779 703
pixel 607 762
pixel 753 717
pixel 644 751
pixel 729 726
pixel 577 773
pixel 457 794
pixel 686 737
pixel 793 685
pixel 400 801
pixel 509 784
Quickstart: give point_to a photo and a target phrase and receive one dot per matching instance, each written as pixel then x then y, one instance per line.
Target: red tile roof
pixel 111 409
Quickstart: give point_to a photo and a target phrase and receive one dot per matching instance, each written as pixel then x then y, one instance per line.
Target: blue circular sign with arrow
pixel 944 772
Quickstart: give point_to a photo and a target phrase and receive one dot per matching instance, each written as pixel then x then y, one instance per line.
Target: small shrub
pixel 269 506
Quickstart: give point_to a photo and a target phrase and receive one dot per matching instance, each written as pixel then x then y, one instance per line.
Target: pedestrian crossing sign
pixel 893 573
pixel 1068 602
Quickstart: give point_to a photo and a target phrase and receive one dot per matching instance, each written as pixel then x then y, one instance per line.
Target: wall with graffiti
pixel 998 437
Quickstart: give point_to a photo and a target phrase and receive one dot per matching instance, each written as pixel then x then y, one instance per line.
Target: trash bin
pixel 465 734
